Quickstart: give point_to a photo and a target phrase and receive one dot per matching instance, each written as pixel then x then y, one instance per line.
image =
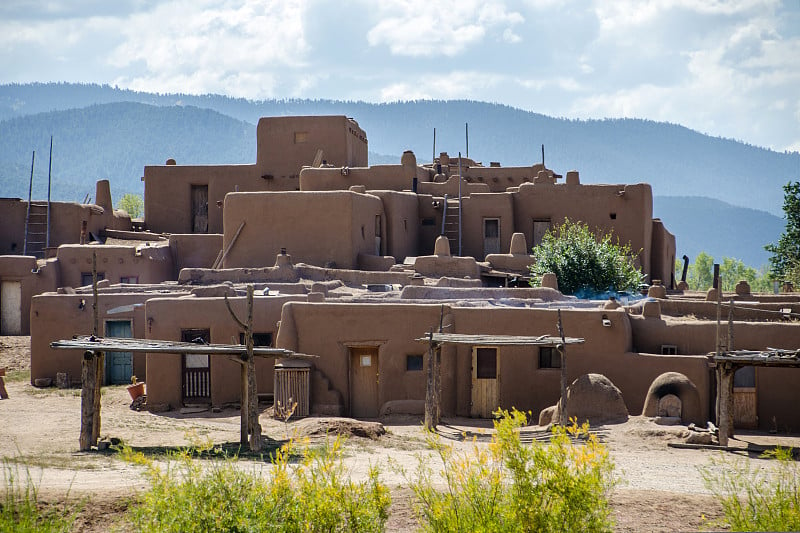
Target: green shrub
pixel 20 509
pixel 510 486
pixel 313 495
pixel 584 262
pixel 757 499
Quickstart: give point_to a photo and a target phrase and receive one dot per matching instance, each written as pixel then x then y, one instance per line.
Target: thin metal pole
pixel 459 205
pixel 28 214
pixel 433 158
pixel 543 157
pixel 49 175
pixel 466 125
pixel 718 287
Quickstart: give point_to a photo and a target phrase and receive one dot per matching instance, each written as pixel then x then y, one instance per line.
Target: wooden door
pixel 11 308
pixel 199 208
pixel 119 365
pixel 485 397
pixel 745 400
pixel 196 369
pixel 540 228
pixel 364 382
pixel 491 236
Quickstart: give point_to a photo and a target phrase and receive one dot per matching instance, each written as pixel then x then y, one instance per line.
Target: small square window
pixel 259 339
pixel 300 137
pixel 414 363
pixel 366 360
pixel 486 361
pixel 86 278
pixel 549 357
pixel 133 280
pixel 669 349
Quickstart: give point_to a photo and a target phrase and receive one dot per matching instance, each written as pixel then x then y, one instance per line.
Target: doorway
pixel 199 208
pixel 119 365
pixel 745 398
pixel 11 308
pixel 485 396
pixel 364 382
pixel 196 369
pixel 491 236
pixel 540 228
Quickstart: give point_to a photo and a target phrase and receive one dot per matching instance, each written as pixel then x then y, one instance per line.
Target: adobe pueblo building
pixel 352 264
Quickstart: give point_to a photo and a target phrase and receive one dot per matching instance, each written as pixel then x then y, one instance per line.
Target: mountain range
pixel 705 187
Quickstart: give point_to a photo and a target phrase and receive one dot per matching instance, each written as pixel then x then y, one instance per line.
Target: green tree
pixel 787 250
pixel 131 204
pixel 701 272
pixel 583 261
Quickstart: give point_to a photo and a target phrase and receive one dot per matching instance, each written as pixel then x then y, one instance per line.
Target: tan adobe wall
pixel 475 209
pixel 285 144
pixel 315 228
pixel 402 223
pixel 384 177
pixel 194 250
pixel 450 187
pixel 662 256
pixel 498 179
pixel 168 316
pixel 149 264
pixel 60 316
pixel 32 280
pixel 631 205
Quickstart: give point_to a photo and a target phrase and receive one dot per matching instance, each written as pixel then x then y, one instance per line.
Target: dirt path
pixel 661 488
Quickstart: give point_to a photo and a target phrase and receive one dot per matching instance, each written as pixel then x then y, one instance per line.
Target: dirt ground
pixel 660 487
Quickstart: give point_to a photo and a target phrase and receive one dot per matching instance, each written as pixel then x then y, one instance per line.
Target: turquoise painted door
pixel 119 365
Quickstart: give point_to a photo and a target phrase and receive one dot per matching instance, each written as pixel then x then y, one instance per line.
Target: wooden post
pixel 88 375
pixel 430 390
pixel 563 419
pixel 254 428
pixel 98 356
pixel 730 326
pixel 725 373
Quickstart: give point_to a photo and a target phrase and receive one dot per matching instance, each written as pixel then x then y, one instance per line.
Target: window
pixel 549 357
pixel 745 377
pixel 259 339
pixel 133 280
pixel 300 137
pixel 414 363
pixel 86 278
pixel 669 349
pixel 486 363
pixel 428 222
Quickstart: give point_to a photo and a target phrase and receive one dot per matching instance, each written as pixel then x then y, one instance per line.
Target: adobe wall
pixel 33 280
pixel 168 316
pixel 150 264
pixel 168 193
pixel 450 187
pixel 662 256
pixel 401 211
pixel 498 179
pixel 194 250
pixel 316 228
pixel 285 144
pixel 631 207
pixel 474 210
pixel 430 223
pixel 60 316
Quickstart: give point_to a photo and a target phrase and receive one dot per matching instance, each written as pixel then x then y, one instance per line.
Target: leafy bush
pixel 757 499
pixel 131 204
pixel 313 495
pixel 20 509
pixel 584 262
pixel 510 486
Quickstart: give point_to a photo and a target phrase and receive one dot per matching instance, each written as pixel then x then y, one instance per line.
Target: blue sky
pixel 726 68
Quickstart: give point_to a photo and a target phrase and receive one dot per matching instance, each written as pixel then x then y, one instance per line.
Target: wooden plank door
pixel 119 365
pixel 745 399
pixel 364 382
pixel 491 236
pixel 540 228
pixel 196 369
pixel 11 308
pixel 485 390
pixel 199 208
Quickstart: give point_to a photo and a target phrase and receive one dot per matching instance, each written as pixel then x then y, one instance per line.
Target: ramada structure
pixel 353 264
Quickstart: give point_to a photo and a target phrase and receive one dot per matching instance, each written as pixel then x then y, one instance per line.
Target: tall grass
pixel 20 508
pixel 313 494
pixel 757 499
pixel 510 486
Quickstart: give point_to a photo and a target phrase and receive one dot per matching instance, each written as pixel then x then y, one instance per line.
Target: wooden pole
pixel 730 325
pixel 99 358
pixel 254 427
pixel 430 389
pixel 563 419
pixel 88 375
pixel 725 372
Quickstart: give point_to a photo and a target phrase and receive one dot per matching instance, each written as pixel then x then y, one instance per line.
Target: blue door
pixel 119 365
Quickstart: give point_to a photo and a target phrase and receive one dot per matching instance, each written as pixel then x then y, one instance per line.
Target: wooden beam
pixel 221 259
pixel 563 419
pixel 725 372
pixel 430 393
pixel 88 375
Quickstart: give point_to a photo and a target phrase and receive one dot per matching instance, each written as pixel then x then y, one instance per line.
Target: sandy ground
pixel 660 487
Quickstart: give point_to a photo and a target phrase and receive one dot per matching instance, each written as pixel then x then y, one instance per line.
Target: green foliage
pixel 515 487
pixel 757 499
pixel 583 261
pixel 700 276
pixel 131 204
pixel 786 253
pixel 20 509
pixel 314 495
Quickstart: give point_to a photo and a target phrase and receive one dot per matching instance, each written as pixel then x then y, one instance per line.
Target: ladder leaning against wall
pixel 37 217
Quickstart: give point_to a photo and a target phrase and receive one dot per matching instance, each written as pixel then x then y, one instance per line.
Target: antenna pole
pixel 466 126
pixel 543 157
pixel 433 159
pixel 459 204
pixel 49 175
